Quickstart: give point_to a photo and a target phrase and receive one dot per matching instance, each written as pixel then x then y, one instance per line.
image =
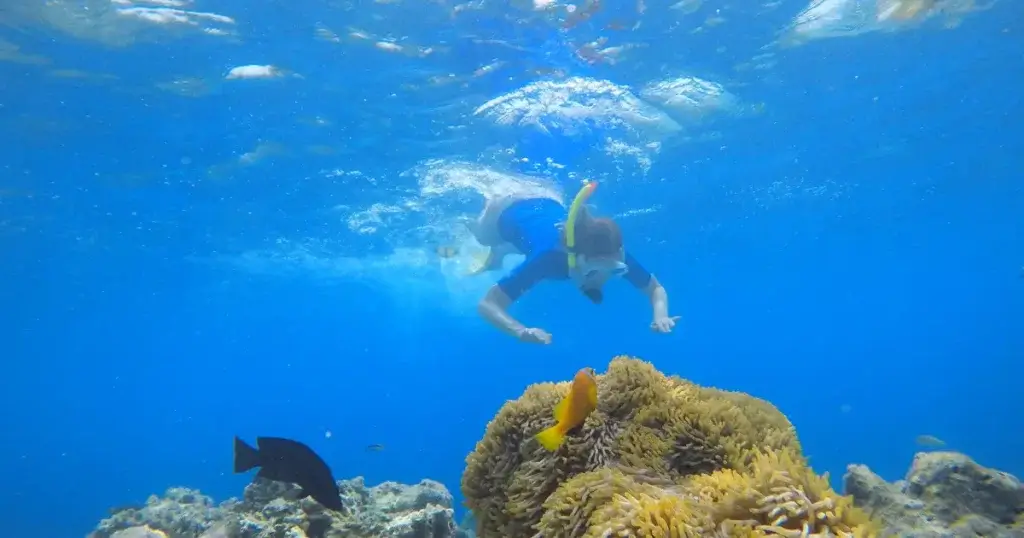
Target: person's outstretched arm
pixel 661 322
pixel 659 298
pixel 644 281
pixel 494 306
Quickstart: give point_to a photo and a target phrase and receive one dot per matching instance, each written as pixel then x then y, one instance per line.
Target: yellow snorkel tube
pixel 570 225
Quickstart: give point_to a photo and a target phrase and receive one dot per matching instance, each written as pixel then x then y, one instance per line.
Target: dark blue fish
pixel 284 460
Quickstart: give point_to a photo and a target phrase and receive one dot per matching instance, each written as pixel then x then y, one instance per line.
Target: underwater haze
pixel 225 218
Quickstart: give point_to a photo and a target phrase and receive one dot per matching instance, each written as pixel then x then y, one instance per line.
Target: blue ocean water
pixel 188 261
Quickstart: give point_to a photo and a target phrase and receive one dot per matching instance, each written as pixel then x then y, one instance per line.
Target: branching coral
pixel 649 512
pixel 778 496
pixel 594 446
pixel 500 455
pixel 660 457
pixel 567 512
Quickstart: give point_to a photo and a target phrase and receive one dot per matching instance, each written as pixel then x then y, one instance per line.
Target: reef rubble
pixel 271 510
pixel 944 495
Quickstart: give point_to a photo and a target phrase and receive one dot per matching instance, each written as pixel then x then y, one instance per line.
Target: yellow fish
pixel 572 410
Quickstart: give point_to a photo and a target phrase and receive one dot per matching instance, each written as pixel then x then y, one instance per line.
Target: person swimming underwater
pixel 580 247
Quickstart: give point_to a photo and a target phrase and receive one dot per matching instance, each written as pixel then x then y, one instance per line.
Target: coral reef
pixel 944 495
pixel 660 457
pixel 271 510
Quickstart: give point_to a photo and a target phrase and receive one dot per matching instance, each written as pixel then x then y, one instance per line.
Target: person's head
pixel 599 250
pixel 598 237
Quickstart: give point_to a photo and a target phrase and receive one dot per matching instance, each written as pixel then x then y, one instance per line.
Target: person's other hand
pixel 534 336
pixel 664 324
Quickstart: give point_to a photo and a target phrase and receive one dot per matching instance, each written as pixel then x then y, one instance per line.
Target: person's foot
pixel 479 264
pixel 494 259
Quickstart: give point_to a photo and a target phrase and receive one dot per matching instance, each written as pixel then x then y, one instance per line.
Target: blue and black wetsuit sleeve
pixel 529 273
pixel 637 275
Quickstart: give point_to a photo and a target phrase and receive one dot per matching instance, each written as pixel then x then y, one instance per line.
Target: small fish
pixel 284 460
pixel 930 441
pixel 375 447
pixel 572 410
pixel 447 252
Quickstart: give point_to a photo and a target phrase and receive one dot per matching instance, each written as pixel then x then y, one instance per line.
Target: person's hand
pixel 664 324
pixel 534 336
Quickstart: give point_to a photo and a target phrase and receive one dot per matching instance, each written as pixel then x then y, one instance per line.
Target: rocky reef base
pixel 944 495
pixel 271 510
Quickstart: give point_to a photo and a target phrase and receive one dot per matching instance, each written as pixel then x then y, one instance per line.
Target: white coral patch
pixel 253 71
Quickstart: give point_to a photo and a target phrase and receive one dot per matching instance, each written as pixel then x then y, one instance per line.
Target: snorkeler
pixel 580 247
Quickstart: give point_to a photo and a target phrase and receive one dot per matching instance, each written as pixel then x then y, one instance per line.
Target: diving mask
pixel 603 268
